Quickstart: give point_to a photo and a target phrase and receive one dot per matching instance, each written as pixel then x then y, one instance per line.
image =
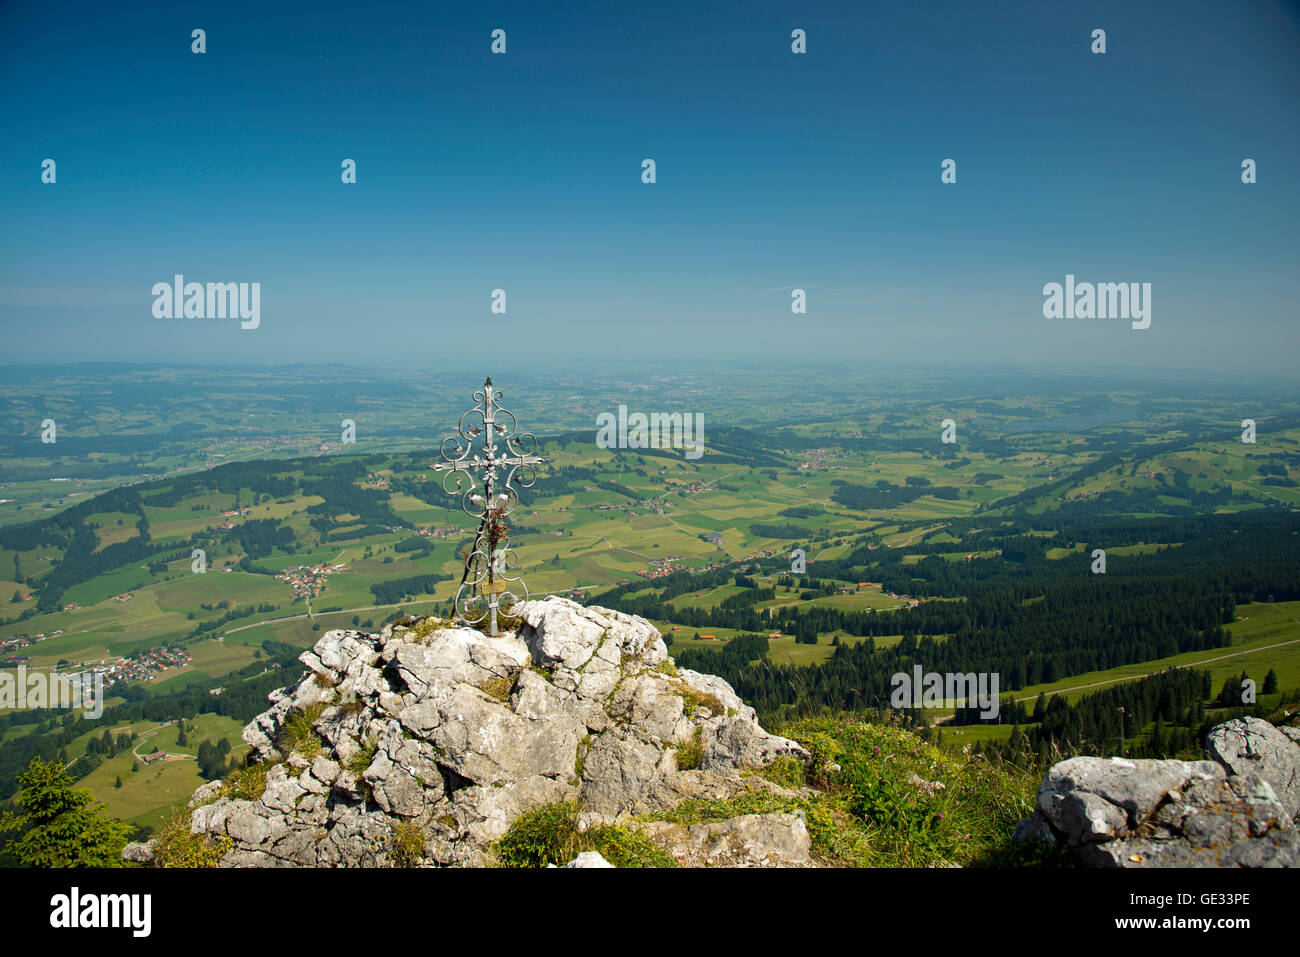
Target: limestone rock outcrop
pixel 439 736
pixel 1236 809
pixel 751 840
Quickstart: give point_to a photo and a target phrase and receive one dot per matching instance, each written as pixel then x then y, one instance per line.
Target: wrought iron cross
pixel 485 586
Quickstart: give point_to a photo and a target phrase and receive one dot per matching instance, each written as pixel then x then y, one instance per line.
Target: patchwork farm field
pixel 302 535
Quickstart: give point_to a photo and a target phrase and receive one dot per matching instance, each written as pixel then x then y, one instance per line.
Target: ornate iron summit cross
pixel 485 586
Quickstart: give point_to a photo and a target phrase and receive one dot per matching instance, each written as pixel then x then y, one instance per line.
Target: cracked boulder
pixel 1236 810
pixel 1248 746
pixel 751 840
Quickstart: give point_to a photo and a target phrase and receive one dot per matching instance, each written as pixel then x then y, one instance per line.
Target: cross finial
pixel 485 586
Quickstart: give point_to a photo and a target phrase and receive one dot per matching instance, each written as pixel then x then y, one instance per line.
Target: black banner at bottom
pixel 139 906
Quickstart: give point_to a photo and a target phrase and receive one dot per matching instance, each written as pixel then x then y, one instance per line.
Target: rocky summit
pixel 1236 809
pixel 423 743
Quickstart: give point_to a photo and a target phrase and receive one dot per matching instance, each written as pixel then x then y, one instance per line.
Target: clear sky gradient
pixel 775 171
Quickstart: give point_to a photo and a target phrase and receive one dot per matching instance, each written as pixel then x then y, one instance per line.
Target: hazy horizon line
pixel 1121 377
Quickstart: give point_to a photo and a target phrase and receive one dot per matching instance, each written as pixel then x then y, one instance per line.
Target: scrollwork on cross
pixel 505 457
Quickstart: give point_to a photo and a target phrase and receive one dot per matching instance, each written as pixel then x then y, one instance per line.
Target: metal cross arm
pixel 486 587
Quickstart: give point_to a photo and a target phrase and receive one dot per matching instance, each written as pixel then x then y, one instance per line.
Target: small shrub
pixel 546 835
pixel 825 751
pixel 899 801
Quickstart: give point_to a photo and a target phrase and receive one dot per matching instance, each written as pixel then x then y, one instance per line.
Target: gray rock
pixel 340 650
pixel 1143 813
pixel 650 703
pixel 205 793
pixel 589 859
pixel 567 639
pixel 348 786
pixel 618 770
pixel 455 655
pixel 394 788
pixel 325 770
pixel 138 853
pixel 1232 822
pixel 739 742
pixel 465 733
pixel 536 697
pixel 752 840
pixel 484 741
pixel 1093 799
pixel 282 792
pixel 486 813
pixel 1249 745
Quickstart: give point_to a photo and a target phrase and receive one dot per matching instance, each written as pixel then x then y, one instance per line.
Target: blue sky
pixel 775 171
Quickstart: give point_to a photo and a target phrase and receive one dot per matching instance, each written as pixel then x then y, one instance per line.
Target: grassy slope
pixel 884 798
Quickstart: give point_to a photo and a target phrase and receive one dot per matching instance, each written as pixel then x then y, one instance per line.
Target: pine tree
pixel 1270 682
pixel 61 826
pixel 1229 694
pixel 1158 743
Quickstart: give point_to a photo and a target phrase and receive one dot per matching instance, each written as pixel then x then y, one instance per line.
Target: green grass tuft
pixel 247 783
pixel 176 846
pixel 689 754
pixel 405 843
pixel 550 835
pixel 360 761
pixel 499 688
pixel 430 626
pixel 298 736
pixel 696 699
pixel 787 771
